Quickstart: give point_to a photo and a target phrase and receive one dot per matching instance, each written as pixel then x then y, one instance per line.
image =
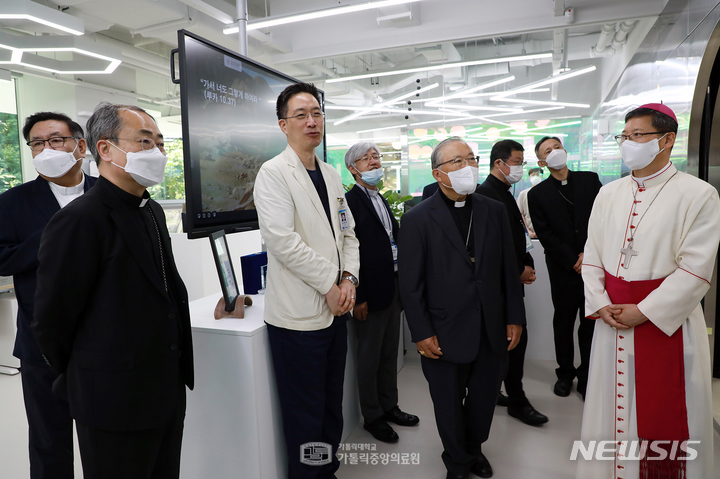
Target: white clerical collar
pixel 69 190
pixel 369 191
pixel 657 177
pixel 459 204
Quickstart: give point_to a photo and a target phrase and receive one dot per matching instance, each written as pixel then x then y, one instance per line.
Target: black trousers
pixel 515 371
pixel 50 425
pixel 568 297
pixel 377 350
pixel 464 397
pixel 144 454
pixel 309 371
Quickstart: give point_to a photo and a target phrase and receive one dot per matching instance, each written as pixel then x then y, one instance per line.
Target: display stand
pixel 233 425
pixel 237 312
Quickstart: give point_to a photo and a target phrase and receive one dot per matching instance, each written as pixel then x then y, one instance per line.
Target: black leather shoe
pixel 502 400
pixel 381 431
pixel 401 418
pixel 562 387
pixel 482 467
pixel 450 475
pixel 528 415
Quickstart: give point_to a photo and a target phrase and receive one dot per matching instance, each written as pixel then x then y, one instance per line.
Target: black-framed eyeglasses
pixel 472 161
pixel 621 138
pixel 368 158
pixel 317 116
pixel 522 163
pixel 146 143
pixel 55 142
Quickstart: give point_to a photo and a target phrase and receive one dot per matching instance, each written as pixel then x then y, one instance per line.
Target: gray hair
pixel 105 124
pixel 357 151
pixel 436 156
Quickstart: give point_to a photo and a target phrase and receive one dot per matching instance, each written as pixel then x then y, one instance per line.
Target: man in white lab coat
pixel 313 264
pixel 650 253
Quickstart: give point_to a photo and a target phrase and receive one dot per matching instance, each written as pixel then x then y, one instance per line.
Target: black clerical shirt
pixel 461 216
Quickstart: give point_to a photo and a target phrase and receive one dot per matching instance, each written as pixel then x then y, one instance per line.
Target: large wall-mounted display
pixel 230 129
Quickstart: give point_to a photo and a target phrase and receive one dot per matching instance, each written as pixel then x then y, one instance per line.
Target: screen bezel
pixel 190 222
pixel 215 237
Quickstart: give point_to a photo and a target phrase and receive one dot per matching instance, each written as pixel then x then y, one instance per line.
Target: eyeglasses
pixel 55 142
pixel 368 158
pixel 146 143
pixel 317 115
pixel 621 138
pixel 472 161
pixel 515 163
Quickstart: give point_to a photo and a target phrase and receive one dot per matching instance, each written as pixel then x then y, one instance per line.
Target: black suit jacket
pixel 429 190
pixel 563 237
pixel 103 318
pixel 444 294
pixel 377 268
pixel 498 190
pixel 24 212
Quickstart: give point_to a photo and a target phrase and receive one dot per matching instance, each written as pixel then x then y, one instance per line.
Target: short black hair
pixel 281 107
pixel 75 130
pixel 503 149
pixel 660 121
pixel 543 140
pixel 534 170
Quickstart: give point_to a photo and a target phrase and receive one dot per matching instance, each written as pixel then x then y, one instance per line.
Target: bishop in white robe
pixel 658 232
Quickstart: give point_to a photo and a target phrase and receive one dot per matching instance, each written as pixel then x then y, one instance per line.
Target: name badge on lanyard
pixel 344 220
pixel 394 250
pixel 528 242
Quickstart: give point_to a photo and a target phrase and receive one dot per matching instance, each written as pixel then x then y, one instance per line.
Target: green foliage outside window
pixel 10 163
pixel 173 185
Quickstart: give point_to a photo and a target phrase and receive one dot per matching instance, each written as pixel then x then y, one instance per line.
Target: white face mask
pixel 463 181
pixel 639 155
pixel 372 177
pixel 557 159
pixel 535 180
pixel 516 173
pixel 55 163
pixel 145 167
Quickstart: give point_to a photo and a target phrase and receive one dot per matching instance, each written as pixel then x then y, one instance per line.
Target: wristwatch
pixel 350 278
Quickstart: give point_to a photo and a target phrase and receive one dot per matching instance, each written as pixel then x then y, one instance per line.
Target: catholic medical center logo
pixel 635 450
pixel 315 453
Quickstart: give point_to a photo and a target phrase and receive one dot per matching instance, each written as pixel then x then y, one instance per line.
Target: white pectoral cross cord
pixel 628 253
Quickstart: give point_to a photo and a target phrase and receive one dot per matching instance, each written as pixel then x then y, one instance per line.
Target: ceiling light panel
pixel 330 12
pixel 27 11
pixel 487 61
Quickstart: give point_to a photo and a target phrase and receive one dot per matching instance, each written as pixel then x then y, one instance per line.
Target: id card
pixel 394 251
pixel 344 220
pixel 528 242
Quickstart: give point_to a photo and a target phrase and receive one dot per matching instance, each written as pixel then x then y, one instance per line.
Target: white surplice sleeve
pixel 670 304
pixel 593 269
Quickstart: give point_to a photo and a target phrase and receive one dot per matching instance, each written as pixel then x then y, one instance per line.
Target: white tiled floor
pixel 516 451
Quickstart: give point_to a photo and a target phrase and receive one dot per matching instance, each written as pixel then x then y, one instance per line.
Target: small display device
pixel 225 269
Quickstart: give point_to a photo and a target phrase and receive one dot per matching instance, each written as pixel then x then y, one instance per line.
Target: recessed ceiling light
pixel 330 12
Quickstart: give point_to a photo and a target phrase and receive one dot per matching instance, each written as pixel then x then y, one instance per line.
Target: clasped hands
pixel 430 348
pixel 341 298
pixel 622 316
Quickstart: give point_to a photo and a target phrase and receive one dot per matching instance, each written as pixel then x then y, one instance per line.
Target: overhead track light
pixel 330 12
pixel 34 12
pixel 469 91
pixel 539 102
pixel 385 103
pixel 547 81
pixel 444 66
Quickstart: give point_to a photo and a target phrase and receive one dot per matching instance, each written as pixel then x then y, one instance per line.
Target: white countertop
pixel 203 320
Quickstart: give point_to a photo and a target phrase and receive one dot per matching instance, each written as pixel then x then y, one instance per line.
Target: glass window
pixel 10 163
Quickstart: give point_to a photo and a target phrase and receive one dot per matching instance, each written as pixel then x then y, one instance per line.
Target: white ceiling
pixel 143 32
